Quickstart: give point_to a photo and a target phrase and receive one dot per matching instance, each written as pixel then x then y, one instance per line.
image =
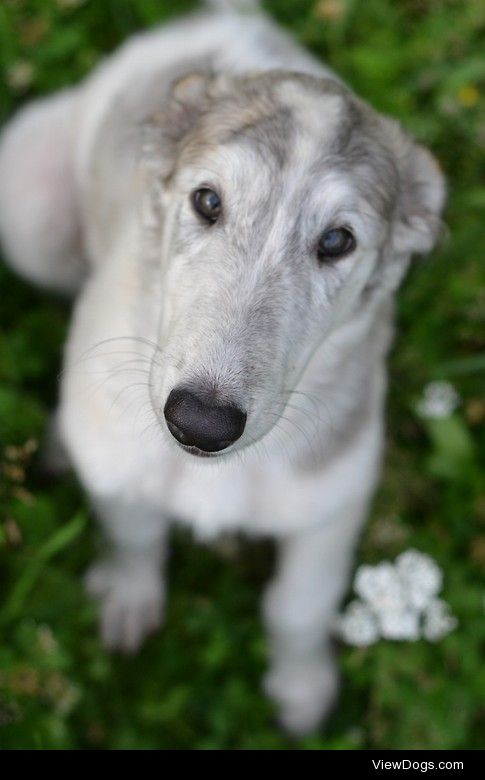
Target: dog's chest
pixel 216 499
pixel 265 498
pixel 212 502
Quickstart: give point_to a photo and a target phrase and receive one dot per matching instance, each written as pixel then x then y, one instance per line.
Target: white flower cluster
pixel 397 601
pixel 439 399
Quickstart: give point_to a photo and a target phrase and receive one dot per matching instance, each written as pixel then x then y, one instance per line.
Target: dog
pixel 233 223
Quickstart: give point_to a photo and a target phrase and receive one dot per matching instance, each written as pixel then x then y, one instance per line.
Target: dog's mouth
pixel 192 450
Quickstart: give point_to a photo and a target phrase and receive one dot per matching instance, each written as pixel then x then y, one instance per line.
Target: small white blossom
pixel 397 601
pixel 438 620
pixel 400 624
pixel 358 625
pixel 420 576
pixel 439 399
pixel 379 586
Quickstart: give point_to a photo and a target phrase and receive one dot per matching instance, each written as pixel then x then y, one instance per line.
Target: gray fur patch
pixel 271 136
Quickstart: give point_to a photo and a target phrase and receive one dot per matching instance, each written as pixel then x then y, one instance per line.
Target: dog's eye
pixel 207 203
pixel 335 243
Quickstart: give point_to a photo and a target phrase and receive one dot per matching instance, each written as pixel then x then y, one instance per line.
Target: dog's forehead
pixel 316 139
pixel 322 114
pixel 299 120
pixel 296 139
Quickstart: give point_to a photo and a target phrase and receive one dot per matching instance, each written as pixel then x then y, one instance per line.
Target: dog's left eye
pixel 207 203
pixel 335 243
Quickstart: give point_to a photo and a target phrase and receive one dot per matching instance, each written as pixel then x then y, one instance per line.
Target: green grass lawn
pixel 196 684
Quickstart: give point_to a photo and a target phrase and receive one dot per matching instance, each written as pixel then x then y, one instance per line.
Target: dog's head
pixel 285 205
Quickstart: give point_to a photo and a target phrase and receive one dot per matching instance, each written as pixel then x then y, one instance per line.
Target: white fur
pixel 290 475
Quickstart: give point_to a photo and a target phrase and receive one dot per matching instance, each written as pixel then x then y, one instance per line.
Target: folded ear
pixel 421 196
pixel 189 97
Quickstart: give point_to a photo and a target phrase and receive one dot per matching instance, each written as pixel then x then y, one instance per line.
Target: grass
pixel 196 684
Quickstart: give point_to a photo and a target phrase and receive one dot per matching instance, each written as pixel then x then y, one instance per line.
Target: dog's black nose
pixel 197 421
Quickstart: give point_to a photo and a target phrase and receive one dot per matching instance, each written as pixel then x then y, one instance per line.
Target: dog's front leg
pixel 127 581
pixel 299 608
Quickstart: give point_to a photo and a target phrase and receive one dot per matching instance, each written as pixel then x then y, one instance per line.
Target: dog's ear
pixel 188 98
pixel 421 195
pixel 190 91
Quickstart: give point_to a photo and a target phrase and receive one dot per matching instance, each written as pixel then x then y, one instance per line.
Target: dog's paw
pixel 303 694
pixel 131 603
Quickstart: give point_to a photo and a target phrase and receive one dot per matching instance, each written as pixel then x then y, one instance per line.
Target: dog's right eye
pixel 207 204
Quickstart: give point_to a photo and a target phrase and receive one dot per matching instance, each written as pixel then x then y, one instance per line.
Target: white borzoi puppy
pixel 234 223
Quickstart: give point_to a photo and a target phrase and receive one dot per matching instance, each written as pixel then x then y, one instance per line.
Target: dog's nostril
pixel 176 432
pixel 199 422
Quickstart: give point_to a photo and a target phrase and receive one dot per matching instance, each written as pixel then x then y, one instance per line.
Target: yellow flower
pixel 329 10
pixel 468 95
pixel 20 75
